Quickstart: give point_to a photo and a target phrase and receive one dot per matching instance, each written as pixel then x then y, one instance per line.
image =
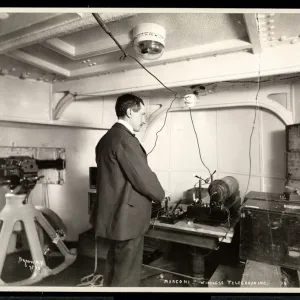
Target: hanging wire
pixel 123 57
pixel 162 126
pixel 198 144
pixel 255 113
pixel 91 279
pixel 94 279
pixel 253 127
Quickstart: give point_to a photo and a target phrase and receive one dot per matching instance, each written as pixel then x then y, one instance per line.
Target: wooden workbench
pixel 189 233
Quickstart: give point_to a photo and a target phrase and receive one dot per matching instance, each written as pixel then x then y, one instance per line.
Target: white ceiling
pixel 64 46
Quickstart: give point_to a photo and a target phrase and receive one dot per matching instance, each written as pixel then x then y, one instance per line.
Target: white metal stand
pixel 15 212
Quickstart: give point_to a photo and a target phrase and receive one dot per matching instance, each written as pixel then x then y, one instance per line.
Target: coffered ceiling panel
pixel 68 45
pixel 182 29
pixel 17 21
pixel 17 24
pixel 42 52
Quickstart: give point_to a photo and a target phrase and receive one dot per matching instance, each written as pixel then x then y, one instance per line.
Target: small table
pixel 194 235
pixel 189 233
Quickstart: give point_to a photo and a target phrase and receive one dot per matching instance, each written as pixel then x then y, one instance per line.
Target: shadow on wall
pixel 277 161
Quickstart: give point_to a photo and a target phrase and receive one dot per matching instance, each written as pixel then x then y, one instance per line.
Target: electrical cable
pixel 226 81
pixel 162 126
pixel 253 127
pixel 254 121
pixel 261 81
pixel 174 273
pixel 122 58
pixel 198 144
pixel 224 237
pixel 47 195
pixel 91 282
pixel 93 279
pixel 43 195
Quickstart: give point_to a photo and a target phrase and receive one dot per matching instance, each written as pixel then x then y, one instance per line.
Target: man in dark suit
pixel 126 187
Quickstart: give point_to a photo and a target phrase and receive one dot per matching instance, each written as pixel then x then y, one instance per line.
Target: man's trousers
pixel 124 263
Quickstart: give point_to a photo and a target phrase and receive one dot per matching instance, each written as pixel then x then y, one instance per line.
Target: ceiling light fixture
pixel 149 40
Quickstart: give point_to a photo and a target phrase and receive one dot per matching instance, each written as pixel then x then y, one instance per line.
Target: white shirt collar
pixel 126 124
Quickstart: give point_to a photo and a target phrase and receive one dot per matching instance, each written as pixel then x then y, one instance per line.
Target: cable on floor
pixel 93 280
pixel 173 273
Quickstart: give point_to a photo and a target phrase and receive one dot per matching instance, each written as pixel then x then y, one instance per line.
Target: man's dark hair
pixel 127 101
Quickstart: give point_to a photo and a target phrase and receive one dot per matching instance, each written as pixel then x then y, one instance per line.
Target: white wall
pixel 224 136
pixel 69 201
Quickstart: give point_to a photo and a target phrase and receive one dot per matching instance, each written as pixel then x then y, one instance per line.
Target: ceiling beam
pixel 61 47
pixel 55 27
pixel 168 57
pixel 252 29
pixel 231 66
pixel 18 22
pixel 85 50
pixel 37 62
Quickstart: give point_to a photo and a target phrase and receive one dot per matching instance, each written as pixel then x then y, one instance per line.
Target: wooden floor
pixel 14 270
pixel 221 266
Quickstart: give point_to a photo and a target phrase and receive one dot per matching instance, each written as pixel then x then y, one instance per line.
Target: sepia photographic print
pixel 150 150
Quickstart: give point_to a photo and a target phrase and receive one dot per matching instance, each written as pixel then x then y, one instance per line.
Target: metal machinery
pixel 224 203
pixel 19 175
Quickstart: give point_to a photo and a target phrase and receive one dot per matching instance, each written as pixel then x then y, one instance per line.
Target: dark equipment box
pixel 270 230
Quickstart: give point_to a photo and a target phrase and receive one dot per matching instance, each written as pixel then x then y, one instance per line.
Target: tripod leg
pixel 40 268
pixel 5 234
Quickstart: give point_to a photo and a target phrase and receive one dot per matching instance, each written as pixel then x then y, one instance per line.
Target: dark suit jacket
pixel 126 186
